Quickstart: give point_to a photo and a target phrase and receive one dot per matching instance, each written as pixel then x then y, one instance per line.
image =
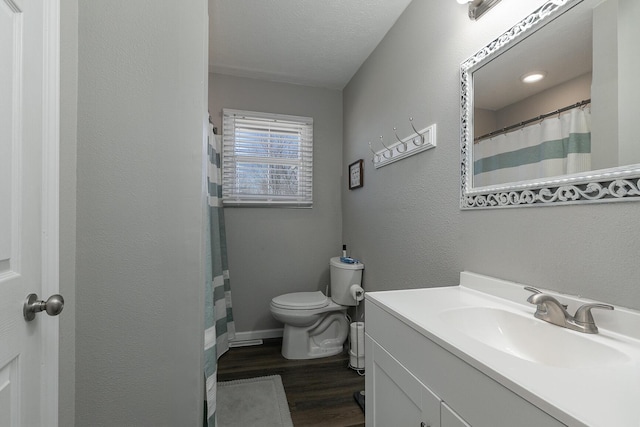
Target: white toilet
pixel 314 325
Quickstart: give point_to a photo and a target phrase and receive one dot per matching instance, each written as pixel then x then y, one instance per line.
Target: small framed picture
pixel 356 175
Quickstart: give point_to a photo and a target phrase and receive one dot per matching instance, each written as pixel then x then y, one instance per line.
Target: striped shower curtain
pixel 219 326
pixel 556 146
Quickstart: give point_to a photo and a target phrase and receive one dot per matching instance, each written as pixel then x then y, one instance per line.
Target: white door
pixel 29 128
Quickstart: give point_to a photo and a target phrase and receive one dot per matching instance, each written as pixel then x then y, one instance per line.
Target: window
pixel 267 159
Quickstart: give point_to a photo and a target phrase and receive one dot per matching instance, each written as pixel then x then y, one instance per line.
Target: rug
pixel 254 402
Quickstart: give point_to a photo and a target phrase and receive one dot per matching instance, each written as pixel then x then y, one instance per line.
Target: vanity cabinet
pixel 413 381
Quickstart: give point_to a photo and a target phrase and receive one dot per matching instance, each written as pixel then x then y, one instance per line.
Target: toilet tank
pixel 342 277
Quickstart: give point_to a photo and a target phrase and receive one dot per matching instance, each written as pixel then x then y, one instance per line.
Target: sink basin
pixel 531 339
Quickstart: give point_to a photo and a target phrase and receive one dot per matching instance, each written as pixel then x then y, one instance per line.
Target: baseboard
pixel 256 335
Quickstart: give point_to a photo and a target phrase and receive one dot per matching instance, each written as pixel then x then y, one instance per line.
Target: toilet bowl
pixel 315 325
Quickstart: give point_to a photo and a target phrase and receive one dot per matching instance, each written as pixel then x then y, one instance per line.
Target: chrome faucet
pixel 551 310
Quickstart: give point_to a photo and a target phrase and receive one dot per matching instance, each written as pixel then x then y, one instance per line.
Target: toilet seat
pixel 301 301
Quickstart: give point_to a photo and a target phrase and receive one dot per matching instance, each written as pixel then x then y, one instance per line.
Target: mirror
pixel 567 138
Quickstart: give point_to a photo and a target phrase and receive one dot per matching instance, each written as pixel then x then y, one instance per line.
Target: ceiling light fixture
pixel 533 77
pixel 477 8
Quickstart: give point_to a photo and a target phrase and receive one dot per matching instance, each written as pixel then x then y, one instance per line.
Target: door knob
pixel 53 306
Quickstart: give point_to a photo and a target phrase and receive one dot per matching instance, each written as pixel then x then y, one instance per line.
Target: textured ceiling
pixel 309 42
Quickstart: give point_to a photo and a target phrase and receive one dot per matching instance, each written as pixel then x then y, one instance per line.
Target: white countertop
pixel 594 396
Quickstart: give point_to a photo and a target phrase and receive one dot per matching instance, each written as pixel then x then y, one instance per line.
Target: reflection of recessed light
pixel 533 77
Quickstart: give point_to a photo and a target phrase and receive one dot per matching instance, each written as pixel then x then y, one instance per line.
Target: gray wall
pixel 273 250
pixel 628 91
pixel 405 224
pixel 68 146
pixel 604 88
pixel 139 268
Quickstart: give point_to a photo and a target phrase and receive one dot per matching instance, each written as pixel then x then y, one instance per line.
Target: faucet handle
pixel 583 314
pixel 538 291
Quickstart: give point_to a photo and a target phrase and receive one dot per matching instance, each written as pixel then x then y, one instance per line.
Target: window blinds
pixel 267 159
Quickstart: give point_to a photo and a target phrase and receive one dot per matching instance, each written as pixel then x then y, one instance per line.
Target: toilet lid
pixel 301 300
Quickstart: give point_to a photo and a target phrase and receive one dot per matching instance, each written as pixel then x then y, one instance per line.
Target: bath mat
pixel 254 402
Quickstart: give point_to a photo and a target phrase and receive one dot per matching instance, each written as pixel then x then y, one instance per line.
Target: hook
pixel 400 141
pixel 418 136
pixel 388 149
pixel 376 155
pixel 414 128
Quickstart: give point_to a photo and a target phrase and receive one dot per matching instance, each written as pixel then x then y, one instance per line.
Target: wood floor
pixel 319 391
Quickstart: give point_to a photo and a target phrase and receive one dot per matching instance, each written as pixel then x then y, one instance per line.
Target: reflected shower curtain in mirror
pixel 219 325
pixel 556 146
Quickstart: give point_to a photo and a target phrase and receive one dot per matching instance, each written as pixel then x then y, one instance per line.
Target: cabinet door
pixel 430 409
pixel 394 396
pixel 450 418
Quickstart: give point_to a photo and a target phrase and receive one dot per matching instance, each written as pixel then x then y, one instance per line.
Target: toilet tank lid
pixel 335 261
pixel 301 300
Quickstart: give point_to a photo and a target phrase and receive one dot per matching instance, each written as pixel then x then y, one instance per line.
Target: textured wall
pixel 405 224
pixel 273 250
pixel 68 146
pixel 140 276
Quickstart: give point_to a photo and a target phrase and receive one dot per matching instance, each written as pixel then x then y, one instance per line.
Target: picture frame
pixel 356 174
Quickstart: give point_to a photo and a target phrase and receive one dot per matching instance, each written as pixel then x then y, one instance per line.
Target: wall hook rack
pixel 417 142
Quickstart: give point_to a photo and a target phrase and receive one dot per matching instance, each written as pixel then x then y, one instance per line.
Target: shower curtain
pixel 219 325
pixel 556 146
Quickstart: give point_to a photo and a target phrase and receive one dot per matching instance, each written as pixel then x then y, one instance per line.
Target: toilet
pixel 315 325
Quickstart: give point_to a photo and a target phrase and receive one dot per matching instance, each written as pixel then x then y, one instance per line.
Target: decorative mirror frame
pixel 605 185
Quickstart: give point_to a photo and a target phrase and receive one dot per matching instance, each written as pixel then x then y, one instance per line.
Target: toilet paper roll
pixel 356 292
